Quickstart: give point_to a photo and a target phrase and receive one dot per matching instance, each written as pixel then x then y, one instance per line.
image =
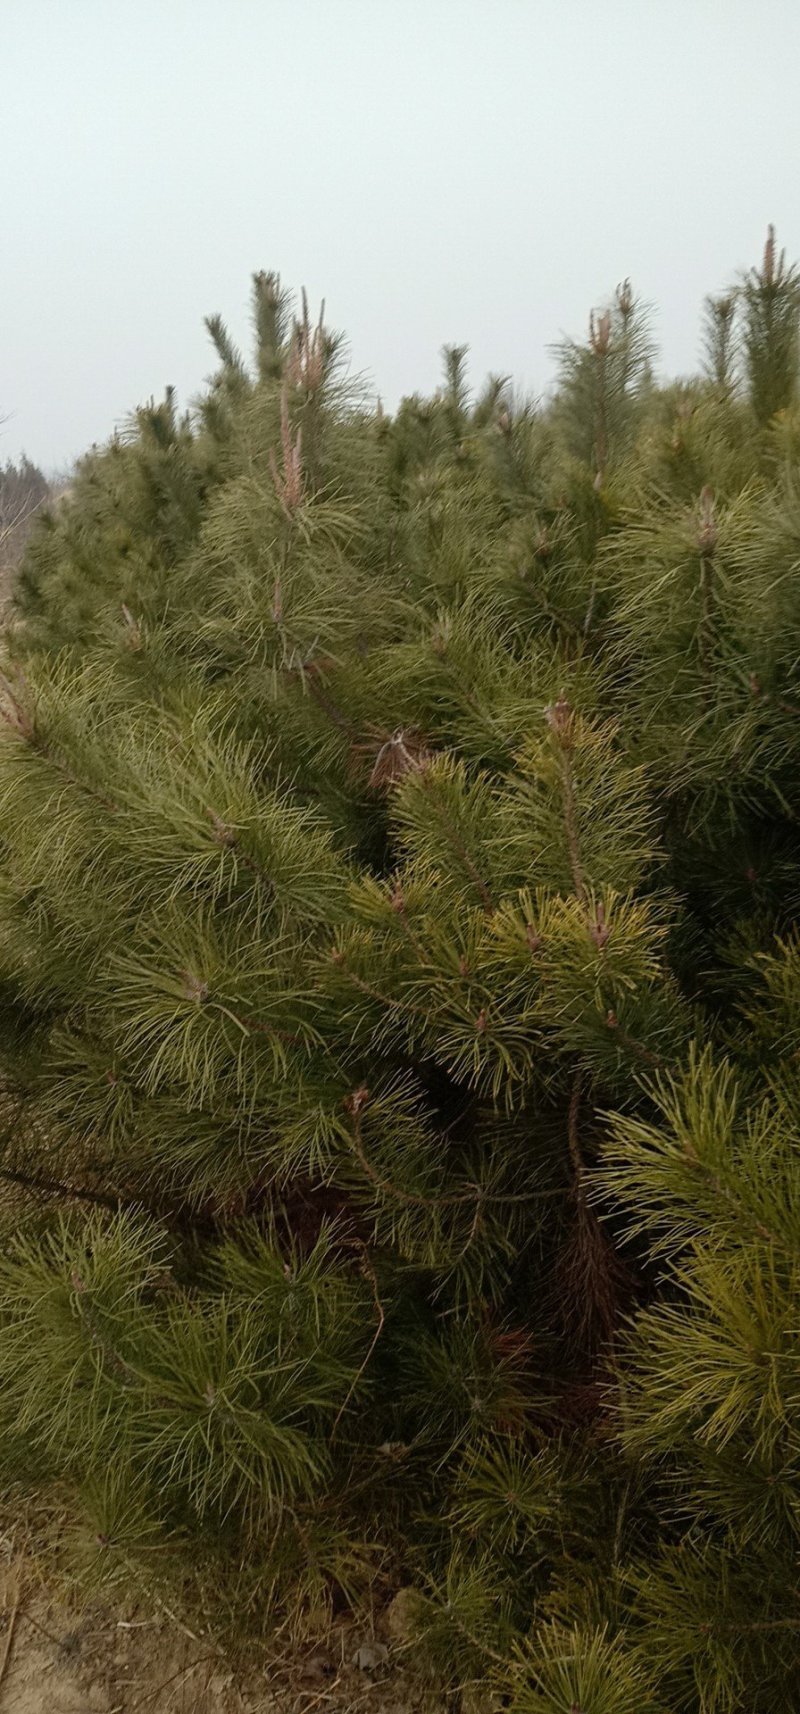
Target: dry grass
pixel 60 1655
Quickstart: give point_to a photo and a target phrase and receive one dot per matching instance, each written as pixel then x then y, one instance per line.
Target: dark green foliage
pixel 400 988
pixel 603 382
pixel 771 308
pixel 719 339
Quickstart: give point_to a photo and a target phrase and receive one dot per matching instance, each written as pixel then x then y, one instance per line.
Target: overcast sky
pixel 471 170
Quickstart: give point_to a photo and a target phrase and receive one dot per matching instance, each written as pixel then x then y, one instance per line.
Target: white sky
pixel 471 170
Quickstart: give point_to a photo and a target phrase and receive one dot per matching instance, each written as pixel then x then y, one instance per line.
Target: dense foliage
pixel 400 990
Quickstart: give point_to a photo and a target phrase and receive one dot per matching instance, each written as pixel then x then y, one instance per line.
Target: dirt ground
pixel 55 1660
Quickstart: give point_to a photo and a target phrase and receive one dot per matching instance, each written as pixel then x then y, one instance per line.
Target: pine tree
pixel 771 308
pixel 719 335
pixel 400 979
pixel 602 382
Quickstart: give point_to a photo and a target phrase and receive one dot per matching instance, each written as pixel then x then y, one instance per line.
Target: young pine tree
pixel 399 979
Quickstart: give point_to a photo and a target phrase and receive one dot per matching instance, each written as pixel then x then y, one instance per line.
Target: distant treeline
pixel 24 489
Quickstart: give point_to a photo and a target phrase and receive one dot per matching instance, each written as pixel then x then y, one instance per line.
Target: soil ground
pixel 56 1659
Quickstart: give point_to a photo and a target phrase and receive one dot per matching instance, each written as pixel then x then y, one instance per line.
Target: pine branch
pixel 460 849
pixel 707 541
pixel 381 1323
pixel 64 1192
pixel 636 1048
pixel 560 720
